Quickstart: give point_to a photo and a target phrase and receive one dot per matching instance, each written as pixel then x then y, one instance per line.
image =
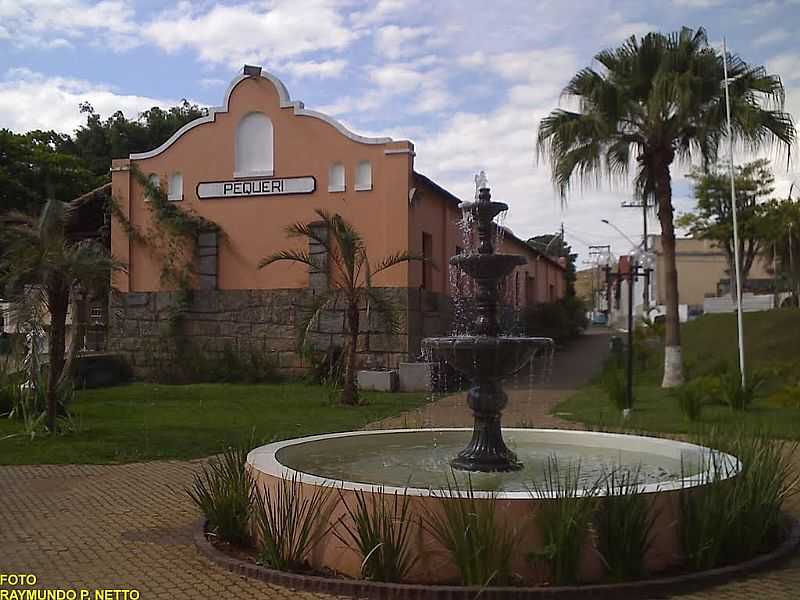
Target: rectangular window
pixel 427 266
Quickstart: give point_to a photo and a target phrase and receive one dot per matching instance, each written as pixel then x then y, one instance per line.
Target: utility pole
pixel 644 205
pixel 598 251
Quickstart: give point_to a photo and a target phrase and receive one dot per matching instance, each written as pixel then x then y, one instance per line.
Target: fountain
pixel 486 358
pixel 422 463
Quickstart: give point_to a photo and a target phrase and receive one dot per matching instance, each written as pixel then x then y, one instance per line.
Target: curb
pixel 649 588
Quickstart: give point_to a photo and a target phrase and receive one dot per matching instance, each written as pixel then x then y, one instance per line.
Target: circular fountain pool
pixel 415 462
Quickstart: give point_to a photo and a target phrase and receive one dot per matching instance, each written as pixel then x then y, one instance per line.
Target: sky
pixel 466 81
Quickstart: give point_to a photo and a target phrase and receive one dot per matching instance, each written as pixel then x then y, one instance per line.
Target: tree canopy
pixel 39 165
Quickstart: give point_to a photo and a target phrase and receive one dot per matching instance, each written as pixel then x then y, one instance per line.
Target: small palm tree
pixel 350 283
pixel 41 266
pixel 654 101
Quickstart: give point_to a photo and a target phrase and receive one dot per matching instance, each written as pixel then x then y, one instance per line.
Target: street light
pixel 622 233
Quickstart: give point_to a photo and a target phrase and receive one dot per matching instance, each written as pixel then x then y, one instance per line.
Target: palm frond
pixel 310 315
pixel 380 302
pixel 298 256
pixel 396 259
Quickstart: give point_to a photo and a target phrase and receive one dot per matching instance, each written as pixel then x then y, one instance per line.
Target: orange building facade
pixel 256 164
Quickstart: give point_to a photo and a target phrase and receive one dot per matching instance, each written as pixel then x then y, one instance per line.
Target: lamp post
pixel 634 272
pixel 736 257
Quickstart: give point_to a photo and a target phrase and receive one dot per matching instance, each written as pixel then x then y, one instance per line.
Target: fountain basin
pixel 485 358
pixel 415 462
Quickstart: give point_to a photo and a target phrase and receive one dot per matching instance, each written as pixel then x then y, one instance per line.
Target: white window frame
pixel 150 179
pixel 363 187
pixel 254 172
pixel 337 187
pixel 175 197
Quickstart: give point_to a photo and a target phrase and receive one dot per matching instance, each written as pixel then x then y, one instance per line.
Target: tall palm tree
pixel 41 266
pixel 651 102
pixel 350 276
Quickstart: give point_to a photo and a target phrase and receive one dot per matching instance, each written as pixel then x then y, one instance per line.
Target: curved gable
pixel 285 101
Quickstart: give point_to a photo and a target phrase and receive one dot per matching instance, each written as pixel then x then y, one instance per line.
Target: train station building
pixel 256 164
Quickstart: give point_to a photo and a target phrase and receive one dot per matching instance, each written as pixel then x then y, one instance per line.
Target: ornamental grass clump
pixel 624 524
pixel 564 517
pixel 291 522
pixel 690 400
pixel 378 529
pixel 480 545
pixel 224 491
pixel 734 517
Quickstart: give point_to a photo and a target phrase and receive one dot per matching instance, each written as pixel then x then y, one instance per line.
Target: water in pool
pixel 421 460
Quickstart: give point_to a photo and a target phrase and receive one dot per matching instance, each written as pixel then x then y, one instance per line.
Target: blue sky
pixel 466 81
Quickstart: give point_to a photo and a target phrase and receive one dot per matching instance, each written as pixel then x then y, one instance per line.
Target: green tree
pixel 42 266
pixel 99 141
pixel 712 218
pixel 653 101
pixel 38 165
pixel 555 246
pixel 781 241
pixel 350 276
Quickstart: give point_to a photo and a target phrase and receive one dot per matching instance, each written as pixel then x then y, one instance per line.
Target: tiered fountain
pixel 486 358
pixel 422 462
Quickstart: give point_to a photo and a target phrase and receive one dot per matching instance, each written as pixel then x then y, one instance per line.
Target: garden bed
pixel 242 562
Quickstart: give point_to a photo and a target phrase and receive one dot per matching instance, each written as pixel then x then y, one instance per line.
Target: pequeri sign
pixel 255 187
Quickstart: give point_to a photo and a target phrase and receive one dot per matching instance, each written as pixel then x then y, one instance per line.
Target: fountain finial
pixel 481 183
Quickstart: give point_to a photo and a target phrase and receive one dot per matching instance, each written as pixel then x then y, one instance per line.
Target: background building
pixel 255 165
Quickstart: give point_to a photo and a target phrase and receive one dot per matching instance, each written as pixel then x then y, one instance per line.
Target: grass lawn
pixel 708 343
pixel 147 422
pixel 655 410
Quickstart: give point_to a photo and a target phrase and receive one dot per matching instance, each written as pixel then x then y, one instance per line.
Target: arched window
pixel 175 187
pixel 363 176
pixel 154 180
pixel 254 146
pixel 336 178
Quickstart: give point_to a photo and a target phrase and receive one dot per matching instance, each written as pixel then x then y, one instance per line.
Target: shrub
pixel 734 519
pixel 690 400
pixel 291 523
pixel 564 518
pixel 224 491
pixel 624 524
pixel 740 397
pixel 786 397
pixel 615 386
pixel 562 320
pixel 467 527
pixel 379 531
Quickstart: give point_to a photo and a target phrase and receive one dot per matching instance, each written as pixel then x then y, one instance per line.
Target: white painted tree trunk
pixel 673 367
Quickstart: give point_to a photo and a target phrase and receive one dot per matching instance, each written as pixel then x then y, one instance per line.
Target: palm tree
pixel 350 276
pixel 41 266
pixel 654 101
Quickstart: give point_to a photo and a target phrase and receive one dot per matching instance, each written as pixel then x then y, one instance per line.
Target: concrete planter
pixel 377 381
pixel 415 377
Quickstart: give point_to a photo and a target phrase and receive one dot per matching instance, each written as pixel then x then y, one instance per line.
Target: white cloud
pixel 772 36
pixel 625 30
pixel 51 24
pixel 322 69
pixel 251 32
pixel 697 3
pixel 786 65
pixel 378 13
pixel 395 42
pixel 30 100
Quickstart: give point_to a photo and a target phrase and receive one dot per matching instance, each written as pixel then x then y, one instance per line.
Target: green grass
pixel 657 411
pixel 141 422
pixel 708 344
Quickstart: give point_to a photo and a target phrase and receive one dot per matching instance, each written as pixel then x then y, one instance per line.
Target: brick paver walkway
pixel 129 526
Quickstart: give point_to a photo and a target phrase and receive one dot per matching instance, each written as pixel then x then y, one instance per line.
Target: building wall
pixel 701 266
pixel 254 226
pixel 244 308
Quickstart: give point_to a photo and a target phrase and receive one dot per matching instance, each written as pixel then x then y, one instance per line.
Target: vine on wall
pixel 173 240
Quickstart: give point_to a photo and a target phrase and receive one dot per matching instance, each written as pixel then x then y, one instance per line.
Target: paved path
pixel 129 526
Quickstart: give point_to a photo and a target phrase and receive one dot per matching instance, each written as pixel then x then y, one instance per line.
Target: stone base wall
pixel 143 327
